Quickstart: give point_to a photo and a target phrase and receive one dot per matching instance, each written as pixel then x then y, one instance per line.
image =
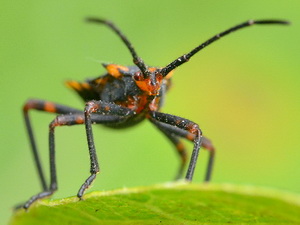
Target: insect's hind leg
pixel 45 106
pixel 187 125
pixel 206 144
pixel 108 113
pixel 61 120
pixel 177 143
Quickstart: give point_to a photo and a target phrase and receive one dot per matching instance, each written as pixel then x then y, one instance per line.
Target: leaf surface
pixel 176 203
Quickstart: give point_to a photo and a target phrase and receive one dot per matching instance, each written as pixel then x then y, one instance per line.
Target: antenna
pixel 136 59
pixel 184 58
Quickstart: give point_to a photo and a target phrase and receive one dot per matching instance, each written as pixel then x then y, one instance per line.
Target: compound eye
pixel 138 76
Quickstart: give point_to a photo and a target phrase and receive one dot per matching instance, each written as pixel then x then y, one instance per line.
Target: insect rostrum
pixel 122 97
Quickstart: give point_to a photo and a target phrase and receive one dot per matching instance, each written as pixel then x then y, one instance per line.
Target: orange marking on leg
pixel 180 147
pixel 190 136
pixel 28 105
pixel 49 107
pixel 207 144
pixel 182 153
pixel 79 120
pixel 193 128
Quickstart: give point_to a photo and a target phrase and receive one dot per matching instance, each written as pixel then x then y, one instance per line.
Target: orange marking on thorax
pixel 86 86
pixel 146 85
pixel 74 84
pixel 113 70
pixel 152 69
pixel 101 80
pixel 143 85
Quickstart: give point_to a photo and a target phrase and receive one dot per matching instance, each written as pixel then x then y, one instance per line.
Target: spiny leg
pixel 187 125
pixel 206 143
pixel 94 111
pixel 68 120
pixel 45 106
pixel 177 143
pixel 61 120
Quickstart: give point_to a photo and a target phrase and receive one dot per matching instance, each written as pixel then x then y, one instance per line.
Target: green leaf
pixel 174 203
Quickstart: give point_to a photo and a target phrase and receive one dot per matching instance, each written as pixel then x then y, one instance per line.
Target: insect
pixel 123 97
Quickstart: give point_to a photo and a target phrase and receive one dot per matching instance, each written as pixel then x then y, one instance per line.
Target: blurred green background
pixel 243 91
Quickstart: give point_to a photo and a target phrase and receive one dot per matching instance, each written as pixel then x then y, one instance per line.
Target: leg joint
pixel 194 129
pixel 53 123
pixel 91 107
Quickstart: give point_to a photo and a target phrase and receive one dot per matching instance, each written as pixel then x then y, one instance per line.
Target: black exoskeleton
pixel 122 97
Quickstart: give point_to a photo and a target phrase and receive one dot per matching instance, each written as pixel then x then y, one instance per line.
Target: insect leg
pixel 94 112
pixel 178 144
pixel 194 133
pixel 66 120
pixel 60 120
pixel 206 143
pixel 45 106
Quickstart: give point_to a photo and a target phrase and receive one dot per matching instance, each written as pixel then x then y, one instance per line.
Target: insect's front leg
pixel 194 132
pixel 46 106
pixel 95 113
pixel 61 120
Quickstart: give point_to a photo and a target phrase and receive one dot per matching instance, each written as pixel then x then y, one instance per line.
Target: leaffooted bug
pixel 123 97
